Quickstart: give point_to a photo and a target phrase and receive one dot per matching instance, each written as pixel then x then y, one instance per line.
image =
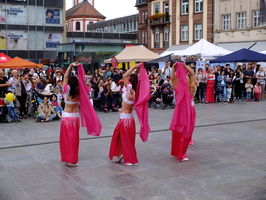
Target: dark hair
pixel 53 95
pixel 134 81
pixel 73 83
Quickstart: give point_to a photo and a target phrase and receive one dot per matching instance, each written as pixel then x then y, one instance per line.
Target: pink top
pixel 54 103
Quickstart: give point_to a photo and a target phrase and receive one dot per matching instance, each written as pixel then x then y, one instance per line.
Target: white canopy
pixel 203 48
pixel 135 53
pixel 264 52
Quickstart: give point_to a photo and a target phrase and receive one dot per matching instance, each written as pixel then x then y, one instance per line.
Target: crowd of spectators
pixel 39 93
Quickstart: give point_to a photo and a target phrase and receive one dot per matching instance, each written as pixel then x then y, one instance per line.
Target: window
pixel 157 38
pixel 198 6
pixel 156 7
pixel 143 37
pixel 143 17
pixel 198 31
pixel 241 20
pixel 166 37
pixel 256 18
pixel 184 7
pixel 77 26
pixel 184 33
pixel 166 8
pixel 226 22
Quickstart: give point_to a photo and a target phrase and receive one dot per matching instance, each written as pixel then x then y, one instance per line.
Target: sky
pixel 112 8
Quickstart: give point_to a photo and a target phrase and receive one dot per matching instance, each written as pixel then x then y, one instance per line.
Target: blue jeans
pixel 58 109
pixel 12 113
pixel 42 117
pixel 249 95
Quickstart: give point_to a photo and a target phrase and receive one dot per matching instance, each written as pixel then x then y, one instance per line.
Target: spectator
pixel 221 87
pixel 261 75
pixel 46 111
pixel 57 107
pixel 210 87
pixel 239 83
pixel 249 88
pixel 167 70
pixel 11 111
pixel 21 95
pixel 4 84
pixel 201 83
pixel 12 81
pixel 108 99
pixel 227 69
pixel 257 92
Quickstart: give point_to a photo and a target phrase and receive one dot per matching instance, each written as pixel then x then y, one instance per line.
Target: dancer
pixel 77 107
pixel 135 93
pixel 184 117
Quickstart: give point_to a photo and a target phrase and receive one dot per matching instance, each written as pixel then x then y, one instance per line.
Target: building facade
pixel 239 21
pixel 82 14
pixel 174 22
pixel 128 24
pixel 31 29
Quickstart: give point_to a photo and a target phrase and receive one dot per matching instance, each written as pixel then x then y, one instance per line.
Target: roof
pixel 234 46
pixel 19 63
pixel 83 9
pixel 242 55
pixel 135 53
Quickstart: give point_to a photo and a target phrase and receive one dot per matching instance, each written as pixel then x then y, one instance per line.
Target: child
pixel 58 109
pixel 11 111
pixel 58 94
pixel 257 92
pixel 249 88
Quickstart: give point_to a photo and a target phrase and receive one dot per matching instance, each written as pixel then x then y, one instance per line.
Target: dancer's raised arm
pixel 174 79
pixel 128 72
pixel 68 71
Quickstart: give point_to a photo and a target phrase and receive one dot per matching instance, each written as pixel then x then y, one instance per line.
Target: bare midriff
pixel 126 108
pixel 71 108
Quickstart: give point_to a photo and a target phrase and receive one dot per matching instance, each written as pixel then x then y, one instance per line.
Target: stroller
pixel 4 116
pixel 164 97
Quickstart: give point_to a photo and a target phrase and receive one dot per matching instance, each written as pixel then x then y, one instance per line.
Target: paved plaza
pixel 228 161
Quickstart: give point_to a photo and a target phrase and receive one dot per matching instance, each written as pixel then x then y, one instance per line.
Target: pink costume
pixel 124 136
pixel 184 117
pixel 70 123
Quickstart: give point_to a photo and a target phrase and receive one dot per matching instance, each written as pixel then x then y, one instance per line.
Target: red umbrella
pixel 4 58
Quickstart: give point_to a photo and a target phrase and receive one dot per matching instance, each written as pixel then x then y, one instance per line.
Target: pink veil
pixel 141 103
pixel 89 118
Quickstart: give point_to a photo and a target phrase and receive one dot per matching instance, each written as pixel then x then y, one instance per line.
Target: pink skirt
pixel 123 140
pixel 180 143
pixel 69 137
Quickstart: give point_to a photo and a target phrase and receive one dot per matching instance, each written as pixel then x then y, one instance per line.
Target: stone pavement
pixel 228 161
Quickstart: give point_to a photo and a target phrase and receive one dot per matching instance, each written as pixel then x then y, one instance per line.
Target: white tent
pixel 203 48
pixel 135 53
pixel 264 52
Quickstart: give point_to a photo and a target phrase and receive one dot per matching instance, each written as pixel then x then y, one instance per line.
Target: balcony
pixel 159 20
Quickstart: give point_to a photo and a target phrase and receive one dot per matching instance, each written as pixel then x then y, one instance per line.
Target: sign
pixel 17 40
pixel 114 62
pixel 84 59
pixel 13 14
pixel 52 16
pixel 52 40
pixel 201 65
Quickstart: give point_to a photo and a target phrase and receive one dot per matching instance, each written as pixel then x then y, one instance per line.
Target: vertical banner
pixel 52 16
pixel 3 40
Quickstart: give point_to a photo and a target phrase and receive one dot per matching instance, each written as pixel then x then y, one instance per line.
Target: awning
pixel 4 58
pixel 17 63
pixel 235 46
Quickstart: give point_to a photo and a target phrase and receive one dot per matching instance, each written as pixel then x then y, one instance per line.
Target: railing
pixel 160 21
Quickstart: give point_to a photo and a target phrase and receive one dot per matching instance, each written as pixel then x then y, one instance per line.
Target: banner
pixel 263 11
pixel 52 16
pixel 17 40
pixel 114 62
pixel 13 14
pixel 3 40
pixel 52 40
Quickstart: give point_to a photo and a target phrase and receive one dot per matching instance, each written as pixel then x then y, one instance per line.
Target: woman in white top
pixel 261 75
pixel 123 140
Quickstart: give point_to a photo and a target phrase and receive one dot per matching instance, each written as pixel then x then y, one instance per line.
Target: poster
pixel 13 14
pixel 52 16
pixel 17 40
pixel 201 64
pixel 52 40
pixel 2 40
